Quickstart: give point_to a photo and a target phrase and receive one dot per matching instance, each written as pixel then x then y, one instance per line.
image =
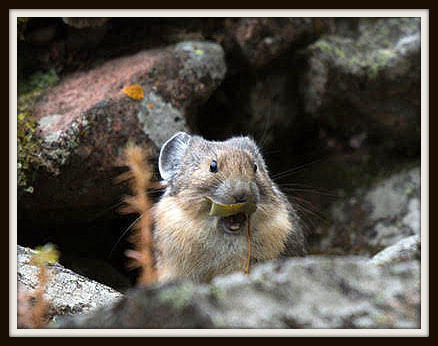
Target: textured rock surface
pixel 168 306
pixel 315 292
pixel 368 81
pixel 404 250
pixel 262 39
pixel 66 292
pixel 86 120
pixel 375 218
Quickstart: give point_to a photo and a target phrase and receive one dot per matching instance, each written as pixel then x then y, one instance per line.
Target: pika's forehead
pixel 235 155
pixel 228 151
pixel 233 143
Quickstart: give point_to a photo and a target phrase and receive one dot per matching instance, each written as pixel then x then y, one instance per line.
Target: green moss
pixel 217 292
pixel 38 82
pixel 29 159
pixel 342 51
pixel 370 54
pixel 177 296
pixel 332 47
pixel 27 149
pixel 324 46
pixel 378 62
pixel 382 320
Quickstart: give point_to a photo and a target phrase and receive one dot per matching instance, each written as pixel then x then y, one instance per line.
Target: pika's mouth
pixel 233 224
pixel 232 216
pixel 219 209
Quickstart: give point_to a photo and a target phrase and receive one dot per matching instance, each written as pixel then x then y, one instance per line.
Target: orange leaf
pixel 134 91
pixel 150 105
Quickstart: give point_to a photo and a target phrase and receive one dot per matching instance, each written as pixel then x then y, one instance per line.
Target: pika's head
pixel 229 172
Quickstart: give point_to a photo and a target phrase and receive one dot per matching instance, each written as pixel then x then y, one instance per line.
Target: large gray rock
pixel 313 292
pixel 375 218
pixel 367 80
pixel 66 292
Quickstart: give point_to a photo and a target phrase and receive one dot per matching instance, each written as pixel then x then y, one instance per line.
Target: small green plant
pixel 47 254
pixel 37 83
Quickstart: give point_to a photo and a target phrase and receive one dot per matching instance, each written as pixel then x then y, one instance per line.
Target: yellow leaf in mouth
pixel 134 91
pixel 219 209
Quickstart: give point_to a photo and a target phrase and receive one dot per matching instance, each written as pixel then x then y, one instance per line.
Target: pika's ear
pixel 172 153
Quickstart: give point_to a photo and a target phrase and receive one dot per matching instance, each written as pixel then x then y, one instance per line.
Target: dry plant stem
pixel 140 175
pixel 40 308
pixel 31 307
pixel 249 246
pixel 24 308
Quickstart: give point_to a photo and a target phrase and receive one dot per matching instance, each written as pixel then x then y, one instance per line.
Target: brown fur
pixel 190 243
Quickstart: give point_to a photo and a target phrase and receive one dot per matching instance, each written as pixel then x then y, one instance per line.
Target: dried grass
pixel 139 176
pixel 32 307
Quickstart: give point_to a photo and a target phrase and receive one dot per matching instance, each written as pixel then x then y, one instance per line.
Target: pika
pixel 193 245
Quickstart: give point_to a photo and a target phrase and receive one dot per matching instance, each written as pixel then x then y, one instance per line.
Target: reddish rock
pixel 80 91
pixel 86 121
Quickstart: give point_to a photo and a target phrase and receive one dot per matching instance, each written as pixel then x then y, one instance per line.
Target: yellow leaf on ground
pixel 134 91
pixel 47 254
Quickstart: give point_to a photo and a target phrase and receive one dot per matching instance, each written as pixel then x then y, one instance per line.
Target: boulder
pixel 66 292
pixel 404 250
pixel 365 80
pixel 86 120
pixel 313 292
pixel 375 218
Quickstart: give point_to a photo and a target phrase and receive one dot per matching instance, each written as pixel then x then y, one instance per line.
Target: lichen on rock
pixel 369 81
pixel 29 156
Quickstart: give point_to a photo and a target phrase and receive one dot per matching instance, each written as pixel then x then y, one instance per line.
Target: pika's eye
pixel 255 167
pixel 213 166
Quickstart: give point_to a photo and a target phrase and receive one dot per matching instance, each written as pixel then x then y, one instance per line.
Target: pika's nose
pixel 236 190
pixel 240 197
pixel 241 192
